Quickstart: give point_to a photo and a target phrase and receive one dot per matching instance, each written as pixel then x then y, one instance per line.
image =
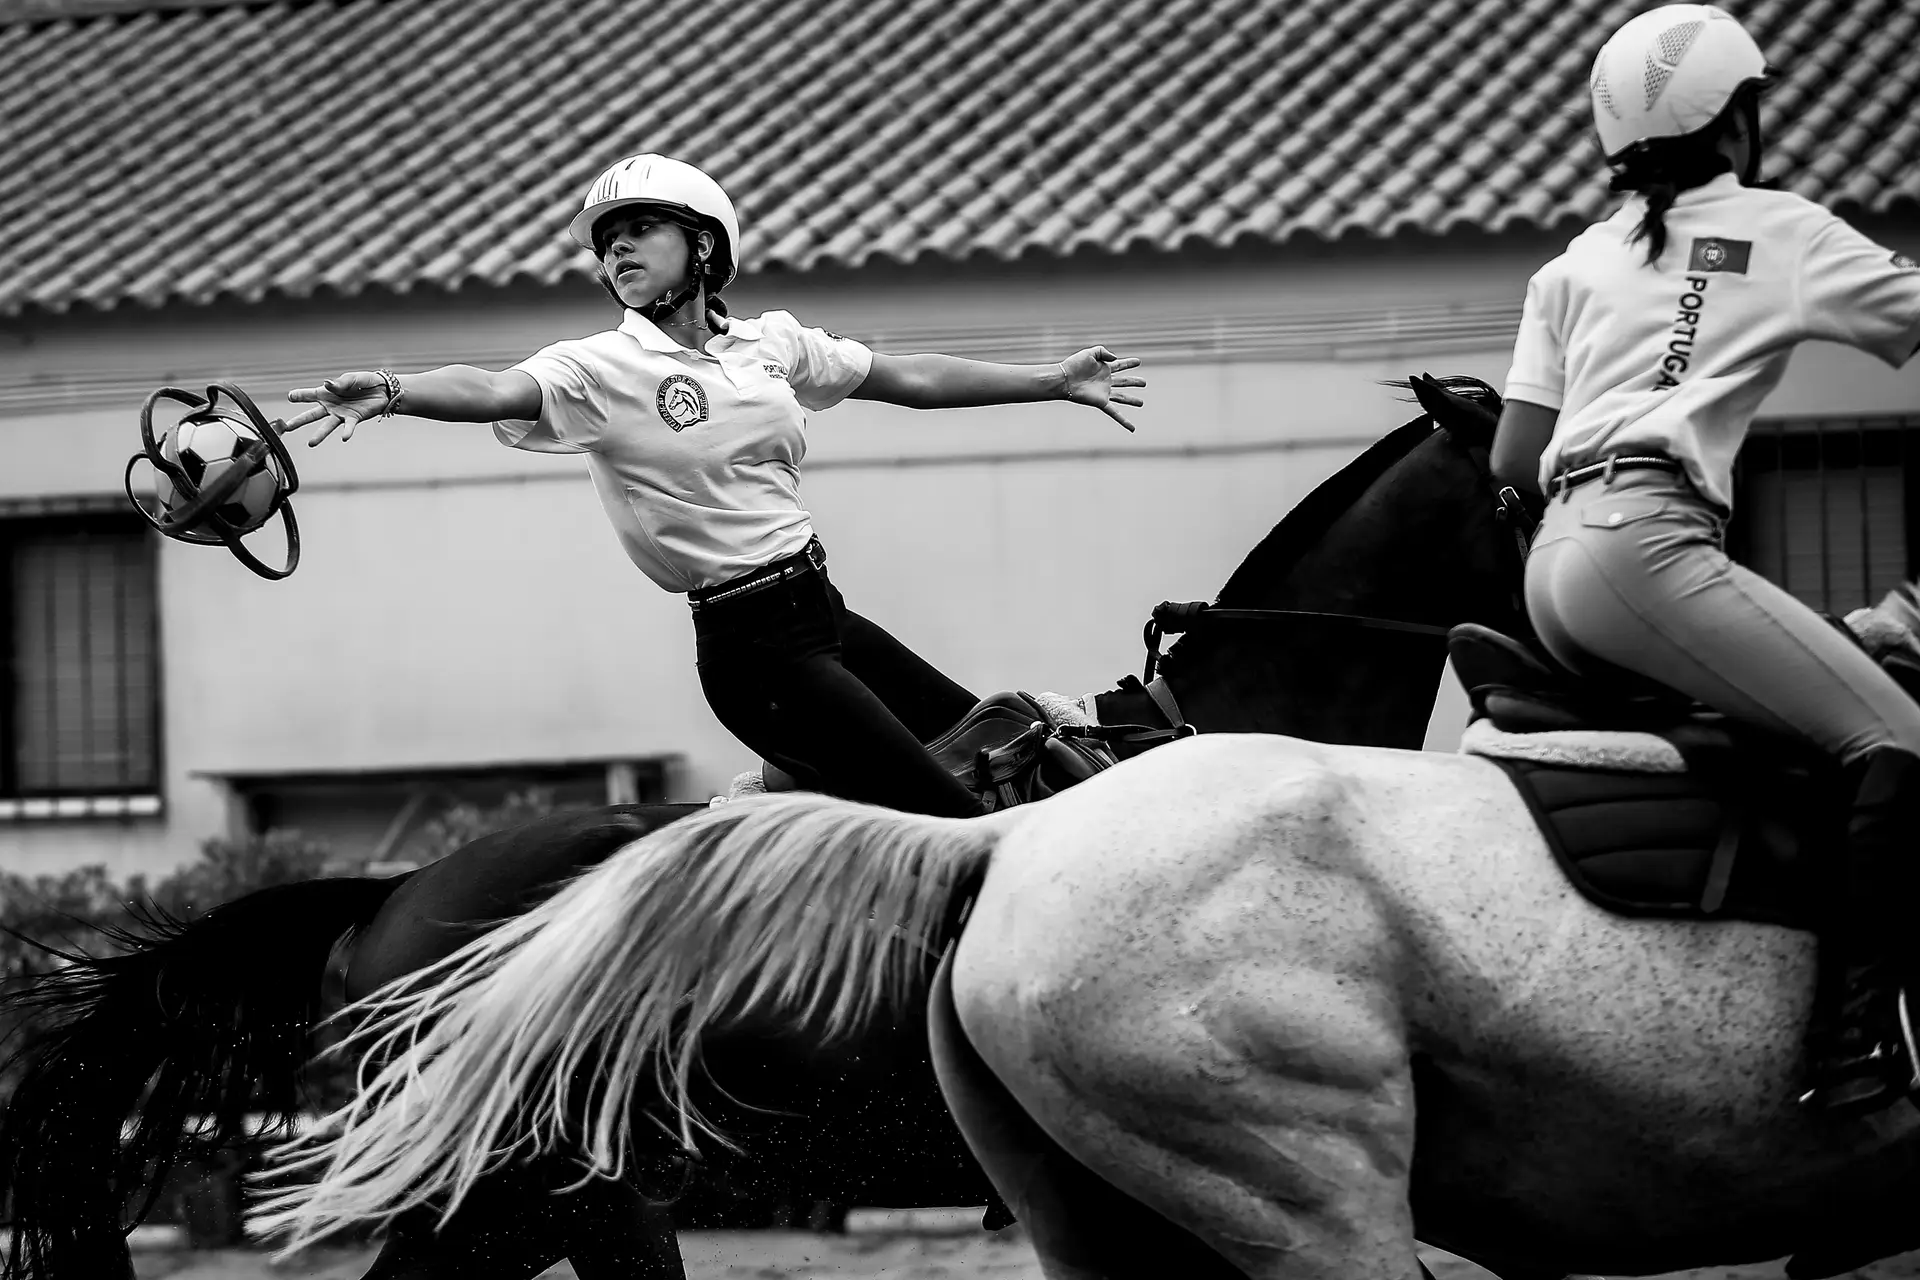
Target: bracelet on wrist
pixel 394 392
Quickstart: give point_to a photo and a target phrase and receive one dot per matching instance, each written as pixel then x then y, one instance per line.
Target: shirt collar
pixel 649 335
pixel 1720 184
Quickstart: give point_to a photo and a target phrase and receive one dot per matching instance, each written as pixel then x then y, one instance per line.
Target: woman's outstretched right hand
pixel 345 401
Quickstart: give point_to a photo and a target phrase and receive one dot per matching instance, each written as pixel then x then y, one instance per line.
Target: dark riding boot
pixel 1863 1050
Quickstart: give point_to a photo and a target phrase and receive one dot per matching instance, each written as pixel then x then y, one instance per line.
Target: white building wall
pixel 459 603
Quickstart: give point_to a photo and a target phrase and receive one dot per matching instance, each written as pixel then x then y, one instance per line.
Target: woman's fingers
pixel 305 416
pixel 1098 386
pixel 329 424
pixel 336 404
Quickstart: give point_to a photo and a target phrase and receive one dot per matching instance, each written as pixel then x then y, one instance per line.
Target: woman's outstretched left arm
pixel 1091 377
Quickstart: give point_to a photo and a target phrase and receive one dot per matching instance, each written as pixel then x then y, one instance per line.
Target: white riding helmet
pixel 1669 72
pixel 663 182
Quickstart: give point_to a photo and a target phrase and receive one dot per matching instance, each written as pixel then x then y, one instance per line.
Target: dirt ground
pixel 709 1255
pixel 791 1255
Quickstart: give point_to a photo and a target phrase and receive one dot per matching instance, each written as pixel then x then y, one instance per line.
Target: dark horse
pixel 214 1020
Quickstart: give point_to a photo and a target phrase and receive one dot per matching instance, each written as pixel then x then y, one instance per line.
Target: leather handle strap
pixel 1720 870
pixel 1163 698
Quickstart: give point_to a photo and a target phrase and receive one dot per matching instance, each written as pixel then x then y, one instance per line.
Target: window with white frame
pixel 79 633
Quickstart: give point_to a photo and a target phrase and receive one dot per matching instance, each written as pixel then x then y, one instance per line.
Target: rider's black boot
pixel 1864 1055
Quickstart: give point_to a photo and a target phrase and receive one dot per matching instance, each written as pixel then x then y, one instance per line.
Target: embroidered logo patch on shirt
pixel 682 401
pixel 775 370
pixel 1905 263
pixel 1716 254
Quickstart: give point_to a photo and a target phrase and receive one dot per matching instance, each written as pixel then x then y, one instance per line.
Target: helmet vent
pixel 1657 77
pixel 1675 39
pixel 1674 42
pixel 1602 94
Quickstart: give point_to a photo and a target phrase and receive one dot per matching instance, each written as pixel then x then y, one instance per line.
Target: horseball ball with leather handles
pixel 195 513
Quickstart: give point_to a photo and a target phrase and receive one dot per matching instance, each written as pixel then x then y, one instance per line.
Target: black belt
pixel 809 559
pixel 1607 466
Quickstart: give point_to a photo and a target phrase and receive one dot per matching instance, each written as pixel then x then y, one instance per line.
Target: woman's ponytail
pixel 1661 169
pixel 1661 190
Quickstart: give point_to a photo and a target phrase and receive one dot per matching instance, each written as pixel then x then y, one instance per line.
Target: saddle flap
pixel 1010 750
pixel 994 722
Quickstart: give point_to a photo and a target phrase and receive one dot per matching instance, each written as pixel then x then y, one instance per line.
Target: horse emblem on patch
pixel 682 402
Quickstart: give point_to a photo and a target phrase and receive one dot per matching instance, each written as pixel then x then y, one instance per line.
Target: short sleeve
pixel 1857 291
pixel 822 368
pixel 573 405
pixel 1539 371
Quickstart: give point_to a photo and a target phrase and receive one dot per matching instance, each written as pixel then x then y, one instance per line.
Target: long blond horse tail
pixel 799 909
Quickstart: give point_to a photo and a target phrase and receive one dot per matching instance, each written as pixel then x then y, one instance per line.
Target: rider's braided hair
pixel 1662 168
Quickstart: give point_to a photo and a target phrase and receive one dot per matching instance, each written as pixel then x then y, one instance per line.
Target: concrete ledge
pixel 916 1222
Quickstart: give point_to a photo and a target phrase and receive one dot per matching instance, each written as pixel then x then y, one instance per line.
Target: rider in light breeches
pixel 1644 352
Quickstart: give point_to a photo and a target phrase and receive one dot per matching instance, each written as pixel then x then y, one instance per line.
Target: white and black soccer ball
pixel 205 449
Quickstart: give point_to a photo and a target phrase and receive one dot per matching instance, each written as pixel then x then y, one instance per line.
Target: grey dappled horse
pixel 214 1018
pixel 1245 1005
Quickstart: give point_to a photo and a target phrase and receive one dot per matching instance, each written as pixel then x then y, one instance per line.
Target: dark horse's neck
pixel 1407 532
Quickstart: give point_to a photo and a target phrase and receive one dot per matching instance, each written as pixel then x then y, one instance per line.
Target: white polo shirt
pixel 1678 356
pixel 695 454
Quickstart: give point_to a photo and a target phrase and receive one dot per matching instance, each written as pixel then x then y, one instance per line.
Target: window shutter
pixel 85 676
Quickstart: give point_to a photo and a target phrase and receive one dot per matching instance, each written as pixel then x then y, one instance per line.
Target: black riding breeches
pixel 830 697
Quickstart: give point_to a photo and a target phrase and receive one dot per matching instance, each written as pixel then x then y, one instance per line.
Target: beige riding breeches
pixel 1629 573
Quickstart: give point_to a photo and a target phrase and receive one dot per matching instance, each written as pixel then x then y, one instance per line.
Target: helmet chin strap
pixel 1752 112
pixel 663 307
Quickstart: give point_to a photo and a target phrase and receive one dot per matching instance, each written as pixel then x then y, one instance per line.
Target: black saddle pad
pixel 1752 831
pixel 1760 847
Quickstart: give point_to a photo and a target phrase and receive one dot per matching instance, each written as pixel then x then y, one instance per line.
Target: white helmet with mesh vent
pixel 674 185
pixel 1670 72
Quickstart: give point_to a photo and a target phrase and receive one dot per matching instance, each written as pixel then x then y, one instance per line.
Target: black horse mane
pixel 1301 527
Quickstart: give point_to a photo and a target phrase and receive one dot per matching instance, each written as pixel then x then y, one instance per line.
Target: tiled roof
pixel 290 147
